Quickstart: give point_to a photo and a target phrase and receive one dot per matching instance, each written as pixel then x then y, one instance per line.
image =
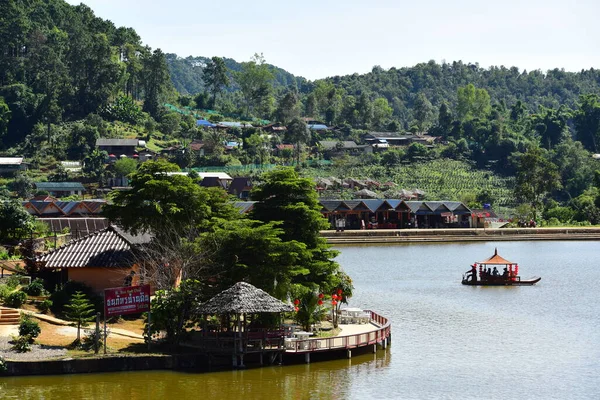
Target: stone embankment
pixel 381 236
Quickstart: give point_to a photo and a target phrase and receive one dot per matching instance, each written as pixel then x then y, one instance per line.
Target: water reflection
pixel 305 381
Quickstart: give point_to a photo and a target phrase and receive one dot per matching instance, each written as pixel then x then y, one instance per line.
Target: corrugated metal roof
pixel 59 186
pixel 104 248
pixel 332 144
pixel 244 206
pixel 330 205
pixel 117 142
pixel 11 160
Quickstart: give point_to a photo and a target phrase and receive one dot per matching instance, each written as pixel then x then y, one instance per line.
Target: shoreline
pixel 406 236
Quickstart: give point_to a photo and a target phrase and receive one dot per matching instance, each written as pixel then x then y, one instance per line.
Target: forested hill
pixel 440 82
pixel 437 82
pixel 186 74
pixel 61 63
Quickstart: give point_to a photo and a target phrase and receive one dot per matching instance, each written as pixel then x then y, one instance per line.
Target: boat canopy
pixel 496 260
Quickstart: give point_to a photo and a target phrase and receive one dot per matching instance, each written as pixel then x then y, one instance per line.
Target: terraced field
pixel 439 179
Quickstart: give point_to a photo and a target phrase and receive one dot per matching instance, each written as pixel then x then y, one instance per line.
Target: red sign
pixel 126 300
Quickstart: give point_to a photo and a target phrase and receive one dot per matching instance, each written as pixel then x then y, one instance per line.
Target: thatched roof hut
pixel 243 298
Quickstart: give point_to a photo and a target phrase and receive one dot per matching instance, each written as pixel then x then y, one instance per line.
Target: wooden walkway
pixel 353 336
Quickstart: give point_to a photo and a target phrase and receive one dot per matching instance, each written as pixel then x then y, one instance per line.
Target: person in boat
pixel 472 273
pixel 495 272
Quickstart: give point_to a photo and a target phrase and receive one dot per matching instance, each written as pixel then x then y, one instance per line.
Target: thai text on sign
pixel 126 300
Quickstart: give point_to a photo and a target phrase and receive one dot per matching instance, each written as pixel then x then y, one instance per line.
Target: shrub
pixel 15 299
pixel 29 328
pixel 3 366
pixel 89 339
pixel 4 292
pixel 44 306
pixel 13 281
pixel 35 288
pixel 63 293
pixel 21 344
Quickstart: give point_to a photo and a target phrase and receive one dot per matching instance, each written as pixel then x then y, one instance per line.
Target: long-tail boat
pixel 486 277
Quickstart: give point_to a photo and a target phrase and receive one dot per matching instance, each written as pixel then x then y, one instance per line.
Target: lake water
pixel 449 341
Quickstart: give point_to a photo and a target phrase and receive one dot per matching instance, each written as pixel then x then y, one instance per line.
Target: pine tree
pixel 80 311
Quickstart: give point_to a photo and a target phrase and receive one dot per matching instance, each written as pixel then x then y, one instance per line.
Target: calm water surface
pixel 449 341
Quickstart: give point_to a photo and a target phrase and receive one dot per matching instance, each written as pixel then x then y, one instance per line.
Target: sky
pixel 316 39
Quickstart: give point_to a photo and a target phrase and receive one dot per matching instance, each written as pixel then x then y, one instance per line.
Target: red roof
pixel 496 260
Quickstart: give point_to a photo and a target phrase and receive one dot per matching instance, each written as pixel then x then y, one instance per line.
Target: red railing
pixel 343 342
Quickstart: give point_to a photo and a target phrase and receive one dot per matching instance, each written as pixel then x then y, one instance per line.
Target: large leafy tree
pixel 163 201
pixel 536 177
pixel 215 77
pixel 94 165
pixel 285 196
pixel 298 133
pixel 16 222
pixel 255 83
pixel 288 108
pixel 253 252
pixel 587 122
pixel 472 102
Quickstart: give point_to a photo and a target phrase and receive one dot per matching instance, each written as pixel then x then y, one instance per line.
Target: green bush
pixel 22 344
pixel 15 299
pixel 44 306
pixel 89 339
pixel 29 328
pixel 35 288
pixel 4 292
pixel 13 281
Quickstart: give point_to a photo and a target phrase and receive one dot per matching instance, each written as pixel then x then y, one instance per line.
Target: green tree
pixel 364 110
pixel 215 77
pixel 164 202
pixel 443 127
pixel 382 112
pixel 173 310
pixel 423 112
pixel 284 196
pixel 22 184
pixel 15 220
pixel 125 166
pixel 551 125
pixel 80 311
pixel 536 177
pixel 253 252
pixel 472 102
pixel 288 108
pixel 94 165
pixel 575 166
pixel 4 117
pixel 587 122
pixel 311 108
pixel 156 81
pixel 298 133
pixel 255 83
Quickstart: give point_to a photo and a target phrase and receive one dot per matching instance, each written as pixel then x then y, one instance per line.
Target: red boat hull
pixel 503 282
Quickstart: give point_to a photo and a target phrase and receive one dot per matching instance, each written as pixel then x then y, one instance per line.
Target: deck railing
pixel 344 342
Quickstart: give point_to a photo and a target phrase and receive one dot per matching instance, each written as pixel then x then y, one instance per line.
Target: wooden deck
pixel 353 336
pixel 273 346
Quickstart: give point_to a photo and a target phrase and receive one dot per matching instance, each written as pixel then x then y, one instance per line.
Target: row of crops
pixel 440 179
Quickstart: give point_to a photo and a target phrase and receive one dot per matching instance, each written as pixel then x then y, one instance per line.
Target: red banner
pixel 126 300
